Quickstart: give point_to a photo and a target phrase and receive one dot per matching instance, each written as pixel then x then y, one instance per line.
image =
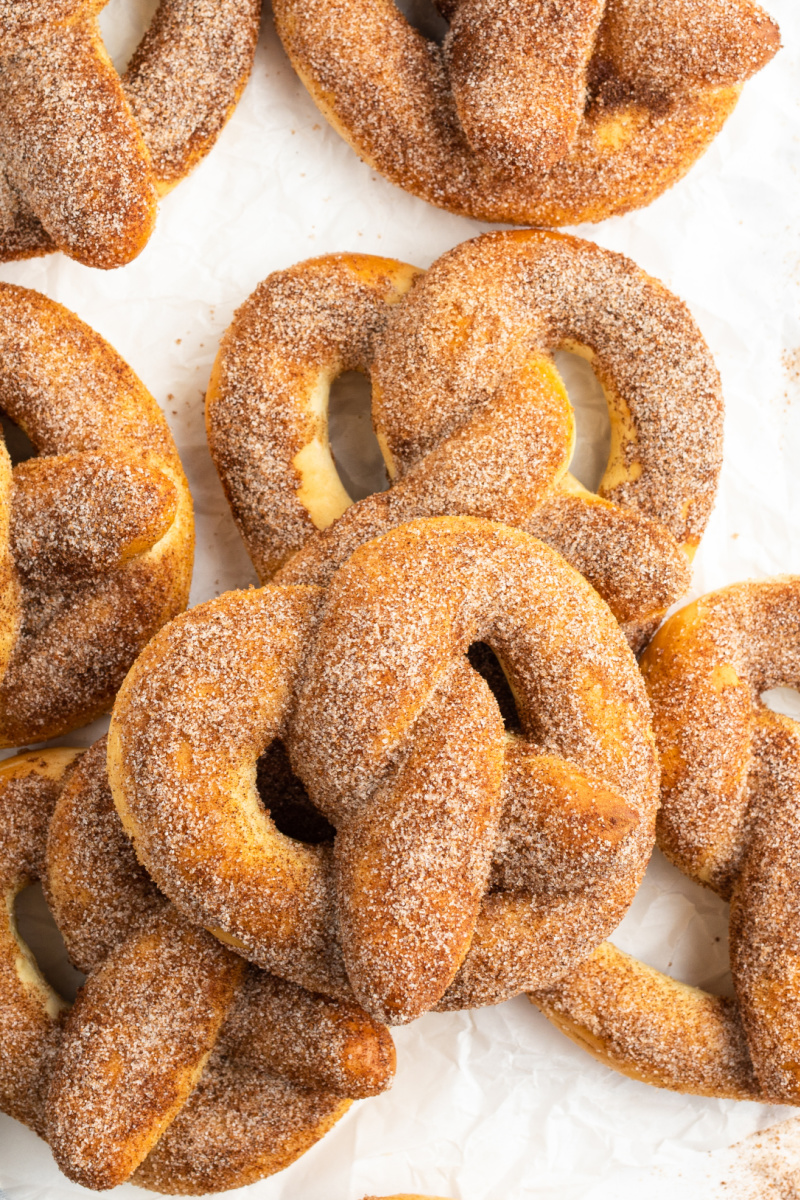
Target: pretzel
pixel 464 863
pixel 84 155
pixel 96 534
pixel 470 413
pixel 178 1064
pixel 729 819
pixel 532 111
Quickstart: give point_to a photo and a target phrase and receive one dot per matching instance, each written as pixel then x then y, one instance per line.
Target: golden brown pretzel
pixel 464 863
pixel 125 1079
pixel 729 818
pixel 470 412
pixel 96 534
pixel 533 111
pixel 83 154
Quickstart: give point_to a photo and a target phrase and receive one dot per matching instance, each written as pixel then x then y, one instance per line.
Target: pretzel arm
pixel 309 1039
pixel 79 515
pixel 518 74
pixel 559 829
pixel 596 538
pixel 186 78
pixel 73 149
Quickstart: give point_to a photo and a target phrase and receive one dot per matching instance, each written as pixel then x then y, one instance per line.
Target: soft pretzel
pixel 84 154
pixel 533 111
pixel 464 863
pixel 729 819
pixel 177 1058
pixel 96 534
pixel 470 412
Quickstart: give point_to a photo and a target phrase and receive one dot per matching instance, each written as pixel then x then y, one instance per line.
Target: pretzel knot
pixel 730 818
pixel 96 534
pixel 470 412
pixel 464 863
pixel 178 1064
pixel 85 154
pixel 534 111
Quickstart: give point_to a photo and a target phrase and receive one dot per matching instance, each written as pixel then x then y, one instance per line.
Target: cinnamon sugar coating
pixel 176 1057
pixel 729 819
pixel 83 154
pixel 98 539
pixel 400 744
pixel 532 111
pixel 31 1013
pixel 470 412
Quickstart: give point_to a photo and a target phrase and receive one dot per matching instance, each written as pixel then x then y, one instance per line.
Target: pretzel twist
pixel 470 413
pixel 96 534
pixel 84 154
pixel 532 111
pixel 177 1065
pixel 464 864
pixel 730 818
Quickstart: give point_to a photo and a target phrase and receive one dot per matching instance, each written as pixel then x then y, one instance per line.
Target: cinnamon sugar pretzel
pixel 729 819
pixel 532 111
pixel 470 412
pixel 465 863
pixel 178 1065
pixel 84 155
pixel 96 533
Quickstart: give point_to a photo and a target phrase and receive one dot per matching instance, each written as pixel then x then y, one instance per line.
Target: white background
pixel 495 1104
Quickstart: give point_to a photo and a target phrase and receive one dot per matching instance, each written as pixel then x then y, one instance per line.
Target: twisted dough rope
pixel 465 864
pixel 96 534
pixel 533 111
pixel 730 818
pixel 177 1064
pixel 85 155
pixel 470 412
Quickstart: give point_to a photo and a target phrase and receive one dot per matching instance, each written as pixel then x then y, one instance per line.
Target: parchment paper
pixel 494 1104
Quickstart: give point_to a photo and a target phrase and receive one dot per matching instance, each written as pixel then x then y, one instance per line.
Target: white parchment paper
pixel 494 1104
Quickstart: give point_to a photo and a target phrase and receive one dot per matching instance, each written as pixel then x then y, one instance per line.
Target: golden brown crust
pixel 186 78
pixel 342 679
pixel 30 1011
pixel 134 1047
pixel 612 115
pixel 652 1028
pixel 83 153
pixel 101 532
pixel 730 788
pixel 470 412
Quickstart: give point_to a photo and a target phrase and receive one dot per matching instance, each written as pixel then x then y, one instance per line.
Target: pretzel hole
pixel 356 453
pixel 286 799
pixel 592 422
pixel 488 665
pixel 423 16
pixel 123 24
pixel 783 700
pixel 41 935
pixel 19 446
pixel 679 927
